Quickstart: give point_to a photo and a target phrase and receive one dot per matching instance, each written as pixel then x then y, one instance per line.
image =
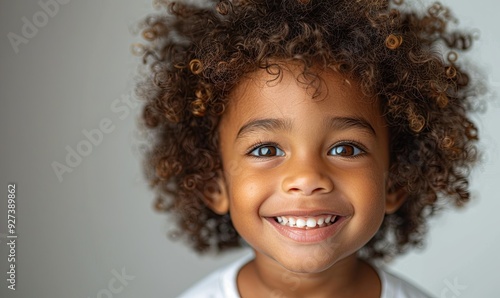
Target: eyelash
pixel 260 145
pixel 356 145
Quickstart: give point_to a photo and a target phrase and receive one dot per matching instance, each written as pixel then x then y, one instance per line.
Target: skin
pixel 316 162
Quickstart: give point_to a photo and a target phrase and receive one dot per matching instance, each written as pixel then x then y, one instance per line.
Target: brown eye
pixel 345 150
pixel 267 151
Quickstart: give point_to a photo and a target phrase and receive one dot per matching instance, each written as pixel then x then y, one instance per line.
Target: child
pixel 323 134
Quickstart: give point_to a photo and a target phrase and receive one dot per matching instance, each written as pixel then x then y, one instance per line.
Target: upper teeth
pixel 306 222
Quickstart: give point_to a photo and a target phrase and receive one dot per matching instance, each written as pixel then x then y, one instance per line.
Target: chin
pixel 306 268
pixel 309 262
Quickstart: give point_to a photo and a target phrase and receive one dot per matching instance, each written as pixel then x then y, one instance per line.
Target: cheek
pixel 247 192
pixel 370 202
pixel 364 189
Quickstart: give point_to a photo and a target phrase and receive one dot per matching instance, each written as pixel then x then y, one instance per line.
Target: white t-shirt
pixel 222 284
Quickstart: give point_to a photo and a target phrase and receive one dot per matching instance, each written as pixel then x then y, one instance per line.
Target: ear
pixel 215 195
pixel 394 200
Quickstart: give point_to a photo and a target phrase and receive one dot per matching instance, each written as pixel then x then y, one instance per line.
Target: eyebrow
pixel 267 124
pixel 343 123
pixel 335 123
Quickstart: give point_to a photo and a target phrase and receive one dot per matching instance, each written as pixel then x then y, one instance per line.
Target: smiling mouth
pixel 306 222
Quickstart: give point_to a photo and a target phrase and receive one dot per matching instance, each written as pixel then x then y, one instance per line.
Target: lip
pixel 309 235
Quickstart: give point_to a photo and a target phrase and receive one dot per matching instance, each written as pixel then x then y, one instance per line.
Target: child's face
pixel 288 155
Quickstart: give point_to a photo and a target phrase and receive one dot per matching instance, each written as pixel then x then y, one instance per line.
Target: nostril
pixel 307 191
pixel 307 183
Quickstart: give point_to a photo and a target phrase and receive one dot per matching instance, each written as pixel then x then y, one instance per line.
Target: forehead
pixel 283 93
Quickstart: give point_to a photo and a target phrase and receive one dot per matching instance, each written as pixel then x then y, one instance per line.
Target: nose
pixel 307 178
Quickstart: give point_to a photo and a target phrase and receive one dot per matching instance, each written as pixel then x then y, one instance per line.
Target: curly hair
pixel 196 54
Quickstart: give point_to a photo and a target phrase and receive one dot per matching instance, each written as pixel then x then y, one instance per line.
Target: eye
pixel 345 150
pixel 266 151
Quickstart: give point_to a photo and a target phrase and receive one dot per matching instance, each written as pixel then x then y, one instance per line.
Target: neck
pixel 264 277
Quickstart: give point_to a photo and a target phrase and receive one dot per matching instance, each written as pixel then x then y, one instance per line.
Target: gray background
pixel 74 233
